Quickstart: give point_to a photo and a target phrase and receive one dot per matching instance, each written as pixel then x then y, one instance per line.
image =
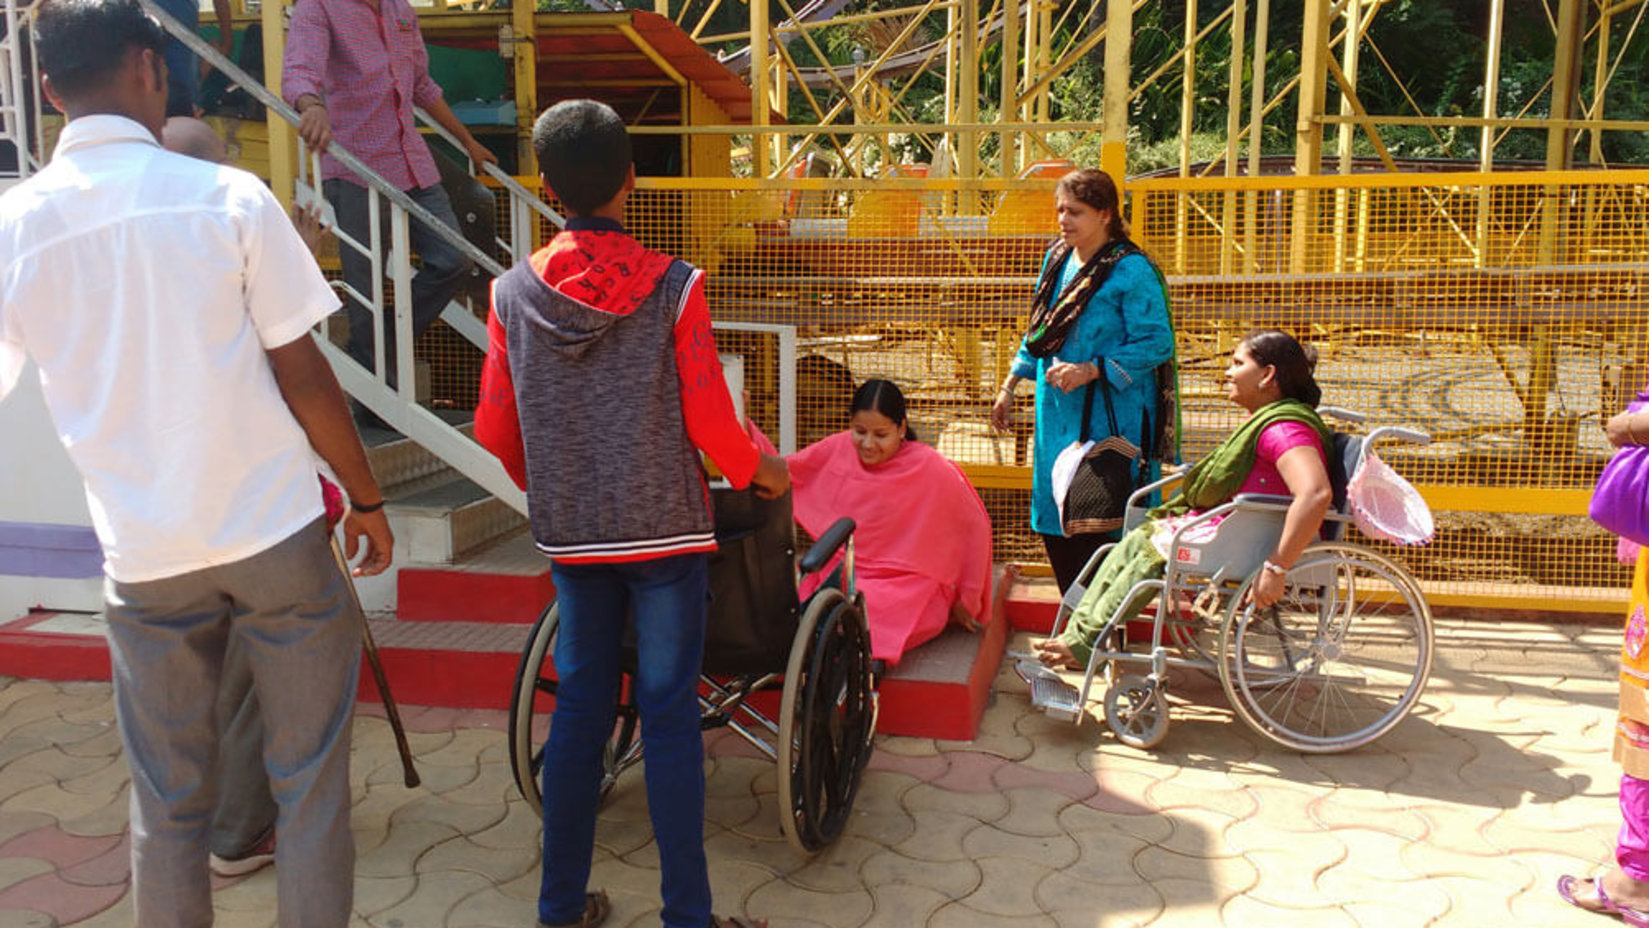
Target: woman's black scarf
pixel 1052 313
pixel 1051 319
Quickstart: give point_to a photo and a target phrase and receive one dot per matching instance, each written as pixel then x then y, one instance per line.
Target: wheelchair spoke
pixel 1338 660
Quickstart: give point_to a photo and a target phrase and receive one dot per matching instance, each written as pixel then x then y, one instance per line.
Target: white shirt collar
pixel 99 129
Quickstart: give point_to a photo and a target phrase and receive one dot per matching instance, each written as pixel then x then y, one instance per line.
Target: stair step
pixel 938 691
pixel 399 462
pixel 505 581
pixel 461 665
pixel 440 523
pixel 1032 604
pixel 457 665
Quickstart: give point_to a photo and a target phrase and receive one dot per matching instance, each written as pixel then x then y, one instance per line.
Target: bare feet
pixel 1055 653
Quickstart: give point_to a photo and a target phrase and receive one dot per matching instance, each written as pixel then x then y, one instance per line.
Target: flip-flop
pixel 734 921
pixel 596 909
pixel 1637 918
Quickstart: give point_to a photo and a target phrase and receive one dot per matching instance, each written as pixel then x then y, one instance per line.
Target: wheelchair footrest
pixel 1057 698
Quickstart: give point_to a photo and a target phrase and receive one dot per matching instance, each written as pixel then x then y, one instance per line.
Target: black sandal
pixel 596 909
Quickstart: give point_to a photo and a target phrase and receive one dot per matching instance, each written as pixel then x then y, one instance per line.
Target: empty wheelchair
pixel 760 639
pixel 1334 664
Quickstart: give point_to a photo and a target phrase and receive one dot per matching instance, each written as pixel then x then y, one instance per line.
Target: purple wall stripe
pixel 40 549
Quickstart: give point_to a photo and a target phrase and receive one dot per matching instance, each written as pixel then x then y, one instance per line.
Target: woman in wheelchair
pixel 922 546
pixel 1278 449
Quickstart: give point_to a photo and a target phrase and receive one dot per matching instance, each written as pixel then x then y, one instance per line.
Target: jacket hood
pixel 592 278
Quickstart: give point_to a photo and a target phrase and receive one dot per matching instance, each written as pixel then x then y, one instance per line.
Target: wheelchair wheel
pixel 1136 711
pixel 1335 663
pixel 827 717
pixel 534 697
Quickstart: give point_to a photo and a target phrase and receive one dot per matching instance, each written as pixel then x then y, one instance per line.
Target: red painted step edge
pixel 50 656
pixel 449 679
pixel 433 594
pixel 946 710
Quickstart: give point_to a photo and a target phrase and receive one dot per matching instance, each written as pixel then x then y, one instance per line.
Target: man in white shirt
pixel 168 304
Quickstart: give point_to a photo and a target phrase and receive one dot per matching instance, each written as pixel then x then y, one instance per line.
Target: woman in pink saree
pixel 922 548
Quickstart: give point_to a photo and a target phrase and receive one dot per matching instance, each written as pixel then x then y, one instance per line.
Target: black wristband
pixel 366 508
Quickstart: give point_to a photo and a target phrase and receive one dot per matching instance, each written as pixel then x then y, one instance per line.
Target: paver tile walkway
pixel 1465 815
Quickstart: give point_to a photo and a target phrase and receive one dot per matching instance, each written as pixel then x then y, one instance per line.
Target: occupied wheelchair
pixel 760 637
pixel 1334 664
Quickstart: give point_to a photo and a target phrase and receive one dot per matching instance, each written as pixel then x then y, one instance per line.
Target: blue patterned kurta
pixel 1126 324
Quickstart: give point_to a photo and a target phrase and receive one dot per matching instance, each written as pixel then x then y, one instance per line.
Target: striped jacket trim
pixel 618 550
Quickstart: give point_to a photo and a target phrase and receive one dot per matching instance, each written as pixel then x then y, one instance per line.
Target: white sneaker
pixel 262 855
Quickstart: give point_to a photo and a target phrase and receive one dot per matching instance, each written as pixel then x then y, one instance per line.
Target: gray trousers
pixel 246 809
pixel 288 609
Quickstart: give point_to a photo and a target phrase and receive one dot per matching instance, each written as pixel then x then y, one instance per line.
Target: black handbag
pixel 1098 495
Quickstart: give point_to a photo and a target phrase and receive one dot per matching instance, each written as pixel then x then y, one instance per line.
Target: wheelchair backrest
pixel 753 606
pixel 1343 459
pixel 1246 537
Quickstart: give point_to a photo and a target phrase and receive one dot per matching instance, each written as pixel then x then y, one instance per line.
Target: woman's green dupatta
pixel 1217 477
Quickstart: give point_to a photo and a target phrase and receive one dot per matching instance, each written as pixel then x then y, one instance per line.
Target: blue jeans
pixel 444 270
pixel 667 597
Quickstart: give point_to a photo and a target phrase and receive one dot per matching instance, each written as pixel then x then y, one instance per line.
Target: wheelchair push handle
pixel 1399 433
pixel 827 545
pixel 1343 414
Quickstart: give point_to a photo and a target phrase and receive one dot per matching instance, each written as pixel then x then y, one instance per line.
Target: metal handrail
pixel 370 386
pixel 278 106
pixel 495 172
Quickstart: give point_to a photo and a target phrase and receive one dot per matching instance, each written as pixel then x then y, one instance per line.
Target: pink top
pixel 916 513
pixel 370 67
pixel 1278 439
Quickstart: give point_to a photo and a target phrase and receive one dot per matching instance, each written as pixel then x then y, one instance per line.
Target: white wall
pixel 39 484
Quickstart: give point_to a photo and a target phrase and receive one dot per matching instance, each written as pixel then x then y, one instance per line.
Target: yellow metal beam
pixel 1119 32
pixel 524 61
pixel 658 60
pixel 283 140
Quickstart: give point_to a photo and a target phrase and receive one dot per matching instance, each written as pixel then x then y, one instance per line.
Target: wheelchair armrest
pixel 1263 500
pixel 827 545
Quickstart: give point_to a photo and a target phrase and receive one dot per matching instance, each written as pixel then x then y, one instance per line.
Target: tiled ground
pixel 1464 816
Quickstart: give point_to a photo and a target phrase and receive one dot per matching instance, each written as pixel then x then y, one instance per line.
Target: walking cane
pixel 377 666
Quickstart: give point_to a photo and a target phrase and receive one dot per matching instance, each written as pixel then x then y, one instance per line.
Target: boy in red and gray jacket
pixel 601 387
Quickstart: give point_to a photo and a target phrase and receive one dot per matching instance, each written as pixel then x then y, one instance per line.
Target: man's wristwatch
pixel 1272 568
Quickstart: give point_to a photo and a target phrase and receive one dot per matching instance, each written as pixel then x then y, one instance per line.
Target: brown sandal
pixel 596 909
pixel 734 921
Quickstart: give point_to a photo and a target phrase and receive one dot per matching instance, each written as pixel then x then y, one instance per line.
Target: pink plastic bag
pixel 1386 506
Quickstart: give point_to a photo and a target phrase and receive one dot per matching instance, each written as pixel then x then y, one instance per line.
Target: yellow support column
pixel 967 94
pixel 1007 149
pixel 1119 32
pixel 1233 128
pixel 524 52
pixel 283 140
pixel 761 95
pixel 1308 126
pixel 1571 36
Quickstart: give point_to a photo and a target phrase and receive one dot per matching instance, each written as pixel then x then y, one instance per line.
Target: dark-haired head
pixel 878 427
pixel 1295 364
pixel 1095 189
pixel 102 57
pixel 884 397
pixel 583 152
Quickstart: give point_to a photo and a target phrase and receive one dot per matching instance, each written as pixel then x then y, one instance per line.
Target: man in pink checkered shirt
pixel 354 70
